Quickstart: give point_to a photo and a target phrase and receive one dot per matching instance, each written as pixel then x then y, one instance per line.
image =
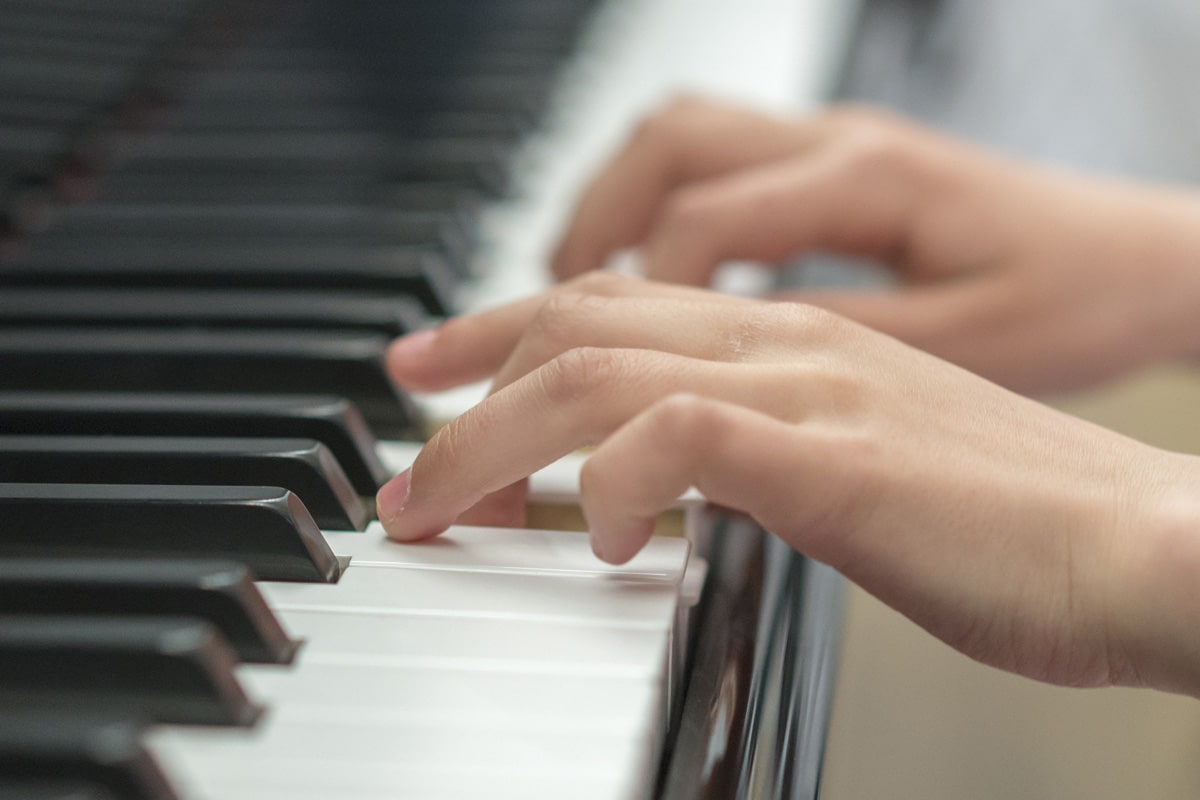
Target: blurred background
pixel 1103 85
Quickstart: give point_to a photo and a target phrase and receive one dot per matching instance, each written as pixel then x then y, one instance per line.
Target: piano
pixel 213 217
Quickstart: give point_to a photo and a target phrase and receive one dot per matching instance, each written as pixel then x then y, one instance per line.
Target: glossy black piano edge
pixel 769 633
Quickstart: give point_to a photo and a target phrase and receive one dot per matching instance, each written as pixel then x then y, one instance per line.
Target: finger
pixel 688 140
pixel 460 351
pixel 736 456
pixel 503 508
pixel 699 326
pixel 472 348
pixel 708 327
pixel 575 400
pixel 775 212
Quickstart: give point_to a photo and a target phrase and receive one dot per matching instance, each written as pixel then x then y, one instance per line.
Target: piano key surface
pixel 504 658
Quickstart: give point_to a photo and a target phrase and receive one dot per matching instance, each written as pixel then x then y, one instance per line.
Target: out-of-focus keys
pixel 167 669
pixel 266 528
pixel 157 360
pixel 220 592
pixel 102 756
pixel 199 308
pixel 303 466
pixel 52 789
pixel 202 262
pixel 330 420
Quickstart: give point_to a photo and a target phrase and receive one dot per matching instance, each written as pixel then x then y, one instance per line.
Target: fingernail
pixel 413 346
pixel 393 496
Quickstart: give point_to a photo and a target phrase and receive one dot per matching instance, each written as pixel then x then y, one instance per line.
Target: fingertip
pixel 618 547
pixel 394 507
pixel 409 358
pixel 390 502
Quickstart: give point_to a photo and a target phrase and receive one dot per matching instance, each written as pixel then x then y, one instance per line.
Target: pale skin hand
pixel 1028 539
pixel 1039 279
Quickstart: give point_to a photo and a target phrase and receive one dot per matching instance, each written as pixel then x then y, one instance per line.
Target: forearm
pixel 1165 245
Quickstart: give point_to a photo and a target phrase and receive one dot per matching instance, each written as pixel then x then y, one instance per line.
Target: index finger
pixel 474 347
pixel 578 399
pixel 686 141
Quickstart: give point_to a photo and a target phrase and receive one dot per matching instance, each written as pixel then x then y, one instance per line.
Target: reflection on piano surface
pixel 213 217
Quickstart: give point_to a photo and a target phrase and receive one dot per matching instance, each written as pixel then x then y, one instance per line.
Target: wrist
pixel 1154 603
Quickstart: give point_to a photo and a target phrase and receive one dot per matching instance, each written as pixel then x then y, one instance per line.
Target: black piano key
pixel 333 421
pixel 47 75
pixel 128 9
pixel 302 466
pixel 479 165
pixel 394 226
pixel 265 527
pixel 46 45
pixel 102 752
pixel 220 592
pixel 85 26
pixel 342 188
pixel 41 110
pixel 52 789
pixel 424 92
pixel 204 262
pixel 278 225
pixel 165 669
pixel 209 308
pixel 497 126
pixel 242 362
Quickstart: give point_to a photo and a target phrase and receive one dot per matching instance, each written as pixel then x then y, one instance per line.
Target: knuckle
pixel 684 420
pixel 765 326
pixel 872 139
pixel 558 317
pixel 447 445
pixel 878 152
pixel 579 373
pixel 669 119
pixel 752 332
pixel 817 323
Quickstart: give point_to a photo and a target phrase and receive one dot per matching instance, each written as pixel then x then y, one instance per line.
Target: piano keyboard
pixel 274 189
pixel 496 663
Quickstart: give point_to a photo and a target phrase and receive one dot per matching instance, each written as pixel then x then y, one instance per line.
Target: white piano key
pixel 606 600
pixel 381 687
pixel 435 787
pixel 305 748
pixel 466 548
pixel 605 781
pixel 545 647
pixel 383 728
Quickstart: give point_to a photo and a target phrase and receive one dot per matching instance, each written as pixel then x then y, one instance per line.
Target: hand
pixel 1028 539
pixel 1036 278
